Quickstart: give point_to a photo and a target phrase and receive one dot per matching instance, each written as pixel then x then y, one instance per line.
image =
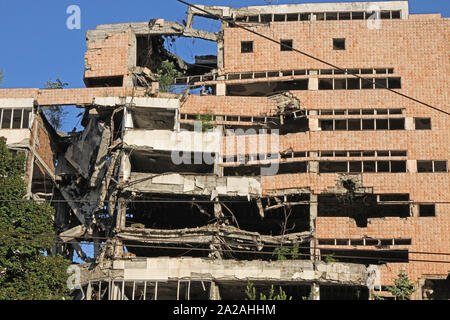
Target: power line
pixel 197 201
pixel 311 56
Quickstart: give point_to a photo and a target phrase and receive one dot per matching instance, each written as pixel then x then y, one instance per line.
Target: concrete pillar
pixel 312 225
pixel 121 214
pixel 315 290
pixel 221 89
pixel 313 84
pixel 409 123
pixel 411 166
pixel 214 293
pixel 314 125
pixel 313 166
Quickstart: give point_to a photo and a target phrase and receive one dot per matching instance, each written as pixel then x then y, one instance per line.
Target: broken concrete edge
pixel 165 269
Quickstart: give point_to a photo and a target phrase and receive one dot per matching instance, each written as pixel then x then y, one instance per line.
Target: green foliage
pixel 250 291
pixel 377 297
pixel 329 258
pixel 55 114
pixel 25 233
pixel 403 288
pixel 310 297
pixel 1 76
pixel 166 75
pixel 283 253
pixel 205 119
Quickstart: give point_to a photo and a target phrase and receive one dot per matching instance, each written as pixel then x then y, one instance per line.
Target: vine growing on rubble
pixel 27 272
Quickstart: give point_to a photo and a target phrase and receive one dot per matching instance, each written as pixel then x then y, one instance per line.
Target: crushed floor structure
pixel 269 167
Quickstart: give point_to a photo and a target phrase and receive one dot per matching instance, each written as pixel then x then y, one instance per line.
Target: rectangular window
pixel 424 166
pixel 398 166
pixel 17 118
pixel 6 119
pixel 286 45
pixel 353 84
pixel 339 44
pixel 423 123
pixel 383 166
pixel 427 210
pixel 394 83
pixel 246 46
pixel 397 124
pixel 368 124
pixel 326 125
pixel 325 84
pixel 340 84
pixel 382 124
pixel 340 124
pixel 440 166
pixel 354 124
pixel 369 166
pixel 355 166
pixel 332 15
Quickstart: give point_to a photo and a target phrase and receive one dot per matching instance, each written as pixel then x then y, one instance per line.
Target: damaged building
pixel 268 166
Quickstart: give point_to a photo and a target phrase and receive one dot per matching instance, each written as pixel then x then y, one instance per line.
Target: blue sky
pixel 37 46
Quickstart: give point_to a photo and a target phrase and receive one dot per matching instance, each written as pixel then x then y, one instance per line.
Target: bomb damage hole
pixel 176 212
pixel 161 162
pixel 359 207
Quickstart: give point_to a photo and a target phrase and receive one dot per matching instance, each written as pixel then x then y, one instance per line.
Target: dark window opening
pixel 354 124
pixel 423 123
pixel 279 17
pixel 263 89
pixel 266 18
pixel 357 15
pixel 246 46
pixel 427 210
pixel 424 166
pixel 292 17
pixel 286 45
pixel 304 17
pixel 383 166
pixel 332 166
pixel 396 14
pixel 326 125
pixel 382 124
pixel 385 14
pixel 325 84
pixel 340 84
pixel 368 124
pixel 353 84
pixel 397 124
pixel 6 119
pixel 440 166
pixel 339 44
pixel 369 166
pixel 355 166
pixel 367 256
pixel 339 292
pixel 380 83
pixel 253 19
pixel 332 15
pixel 344 15
pixel 394 197
pixel 367 83
pixel 394 83
pixel 104 82
pixel 398 166
pixel 340 124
